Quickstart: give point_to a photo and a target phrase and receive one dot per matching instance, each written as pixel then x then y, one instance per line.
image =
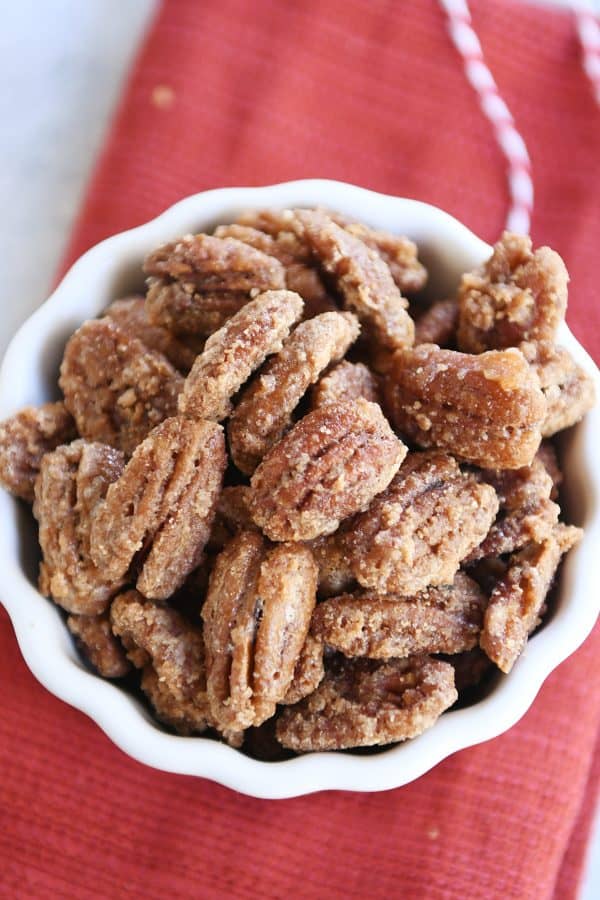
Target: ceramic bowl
pixel 29 375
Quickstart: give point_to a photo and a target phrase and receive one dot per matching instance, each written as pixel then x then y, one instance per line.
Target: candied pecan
pixel 308 673
pixel 363 702
pixel 95 640
pixel 335 574
pixel 437 325
pixel 235 351
pixel 213 264
pixel 516 601
pixel 131 316
pixel 568 389
pixel 163 505
pixel 171 652
pixel 256 619
pixel 264 410
pixel 116 389
pixel 416 532
pixel 280 224
pixel 437 620
pixel 72 482
pixel 178 308
pixel 398 252
pixel 293 254
pixel 547 456
pixel 362 277
pixel 470 668
pixel 487 409
pixel 328 467
pixel 526 511
pixel 517 295
pixel 25 438
pixel 346 381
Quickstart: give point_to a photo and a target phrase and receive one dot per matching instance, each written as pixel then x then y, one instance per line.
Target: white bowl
pixel 28 376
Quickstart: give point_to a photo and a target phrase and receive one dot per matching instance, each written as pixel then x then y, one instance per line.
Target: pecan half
pixel 293 254
pixel 163 505
pixel 361 703
pixel 25 438
pixel 568 389
pixel 518 295
pixel 171 652
pixel 115 388
pixel 362 277
pixel 256 619
pixel 233 352
pixel 517 600
pixel 97 643
pixel 438 620
pixel 487 409
pixel 214 264
pixel 72 482
pixel 526 511
pixel 328 467
pixel 264 410
pixel 416 533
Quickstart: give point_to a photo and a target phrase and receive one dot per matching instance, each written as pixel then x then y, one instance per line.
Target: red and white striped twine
pixel 520 183
pixel 588 30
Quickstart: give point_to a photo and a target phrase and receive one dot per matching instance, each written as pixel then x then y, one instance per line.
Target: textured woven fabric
pixel 371 93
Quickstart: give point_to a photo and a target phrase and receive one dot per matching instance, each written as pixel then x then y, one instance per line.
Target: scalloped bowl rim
pixel 44 641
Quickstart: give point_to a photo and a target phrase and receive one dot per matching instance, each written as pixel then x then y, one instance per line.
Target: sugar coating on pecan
pixel 362 277
pixel 362 703
pixel 163 506
pixel 346 381
pixel 335 572
pixel 159 639
pixel 116 388
pixel 131 316
pixel 517 295
pixel 263 412
pixel 328 467
pixel 308 673
pixel 25 438
pixel 214 264
pixel 95 640
pixel 437 325
pixel 233 352
pixel 568 389
pixel 526 511
pixel 256 619
pixel 71 484
pixel 416 533
pixel 398 252
pixel 487 409
pixel 444 619
pixel 517 600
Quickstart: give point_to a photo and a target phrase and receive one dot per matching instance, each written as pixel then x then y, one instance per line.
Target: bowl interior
pixel 29 376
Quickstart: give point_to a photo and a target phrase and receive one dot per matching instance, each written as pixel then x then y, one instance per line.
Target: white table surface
pixel 63 62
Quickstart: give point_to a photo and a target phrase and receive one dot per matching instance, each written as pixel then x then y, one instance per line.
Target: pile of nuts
pixel 309 512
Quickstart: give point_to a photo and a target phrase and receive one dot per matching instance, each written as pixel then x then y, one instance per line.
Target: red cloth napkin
pixel 232 93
